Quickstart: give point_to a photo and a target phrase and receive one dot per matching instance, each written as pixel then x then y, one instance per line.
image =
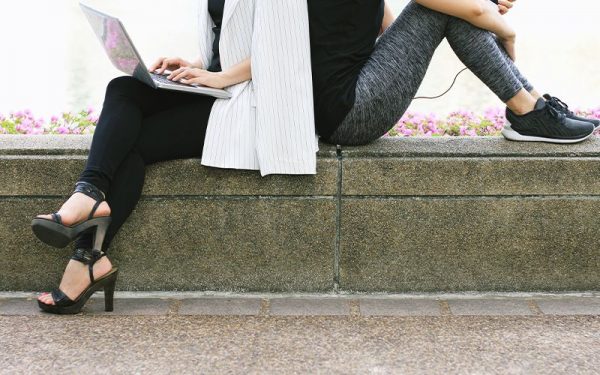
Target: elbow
pixel 477 9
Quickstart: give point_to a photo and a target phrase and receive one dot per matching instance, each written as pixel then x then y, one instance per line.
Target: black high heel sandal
pixel 65 305
pixel 54 233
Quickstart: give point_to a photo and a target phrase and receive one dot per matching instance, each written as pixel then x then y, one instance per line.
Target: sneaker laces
pixel 560 116
pixel 559 105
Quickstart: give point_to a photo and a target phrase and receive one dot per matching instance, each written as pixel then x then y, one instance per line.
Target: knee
pixel 459 30
pixel 122 85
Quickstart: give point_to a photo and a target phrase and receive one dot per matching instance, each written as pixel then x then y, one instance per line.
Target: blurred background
pixel 53 63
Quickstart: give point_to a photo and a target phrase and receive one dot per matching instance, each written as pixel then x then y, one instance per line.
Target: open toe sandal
pixel 54 233
pixel 64 305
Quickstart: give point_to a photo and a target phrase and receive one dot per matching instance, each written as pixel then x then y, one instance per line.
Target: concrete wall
pixel 460 214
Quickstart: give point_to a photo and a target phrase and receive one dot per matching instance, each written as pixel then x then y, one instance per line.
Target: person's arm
pixel 481 13
pixel 388 18
pixel 238 73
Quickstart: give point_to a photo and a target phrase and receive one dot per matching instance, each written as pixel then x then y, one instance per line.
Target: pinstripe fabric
pixel 268 124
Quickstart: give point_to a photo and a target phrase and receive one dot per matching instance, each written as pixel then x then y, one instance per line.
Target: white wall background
pixel 52 61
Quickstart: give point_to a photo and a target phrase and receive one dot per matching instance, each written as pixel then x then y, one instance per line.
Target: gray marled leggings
pixel 395 70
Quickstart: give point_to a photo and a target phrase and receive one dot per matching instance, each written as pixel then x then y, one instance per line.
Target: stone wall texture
pixel 399 215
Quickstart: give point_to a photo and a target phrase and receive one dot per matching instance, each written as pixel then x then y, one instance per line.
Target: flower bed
pixel 458 123
pixel 24 122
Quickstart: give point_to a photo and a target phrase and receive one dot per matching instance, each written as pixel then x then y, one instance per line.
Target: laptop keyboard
pixel 163 79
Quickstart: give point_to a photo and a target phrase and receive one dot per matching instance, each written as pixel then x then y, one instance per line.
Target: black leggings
pixel 139 126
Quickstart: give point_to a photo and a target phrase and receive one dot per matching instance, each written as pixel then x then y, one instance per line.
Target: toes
pixel 46 298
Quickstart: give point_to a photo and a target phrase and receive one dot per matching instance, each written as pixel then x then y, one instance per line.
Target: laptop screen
pixel 114 40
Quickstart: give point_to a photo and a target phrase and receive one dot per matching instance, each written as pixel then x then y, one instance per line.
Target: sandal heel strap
pixel 90 190
pixel 88 257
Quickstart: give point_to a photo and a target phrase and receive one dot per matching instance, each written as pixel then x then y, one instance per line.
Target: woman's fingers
pixel 155 66
pixel 195 81
pixel 505 5
pixel 509 46
pixel 165 65
pixel 181 73
pixel 171 63
pixel 176 73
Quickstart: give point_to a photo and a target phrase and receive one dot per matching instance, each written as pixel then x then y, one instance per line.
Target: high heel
pixel 54 233
pixel 64 305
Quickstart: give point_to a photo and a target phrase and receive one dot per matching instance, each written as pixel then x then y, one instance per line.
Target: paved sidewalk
pixel 196 333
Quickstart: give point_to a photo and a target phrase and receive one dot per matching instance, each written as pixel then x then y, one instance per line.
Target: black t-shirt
pixel 342 37
pixel 215 9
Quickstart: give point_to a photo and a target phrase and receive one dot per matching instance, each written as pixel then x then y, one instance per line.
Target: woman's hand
pixel 505 5
pixel 509 46
pixel 195 76
pixel 171 63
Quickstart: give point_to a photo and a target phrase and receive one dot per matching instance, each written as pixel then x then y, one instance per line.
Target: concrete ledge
pixel 400 215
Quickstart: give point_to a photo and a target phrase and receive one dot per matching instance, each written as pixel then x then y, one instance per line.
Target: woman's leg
pixel 174 133
pixel 526 84
pixel 127 103
pixel 177 133
pixel 395 70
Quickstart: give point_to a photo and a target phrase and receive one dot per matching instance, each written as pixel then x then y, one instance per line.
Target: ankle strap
pixel 88 257
pixel 90 190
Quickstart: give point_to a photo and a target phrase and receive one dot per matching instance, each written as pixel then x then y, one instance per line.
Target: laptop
pixel 125 57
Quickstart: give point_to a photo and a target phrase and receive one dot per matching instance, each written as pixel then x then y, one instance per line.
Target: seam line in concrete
pixel 355 310
pixel 191 197
pixel 535 309
pixel 445 308
pixel 174 306
pixel 338 221
pixel 265 307
pixel 342 295
pixel 473 197
pixel 561 157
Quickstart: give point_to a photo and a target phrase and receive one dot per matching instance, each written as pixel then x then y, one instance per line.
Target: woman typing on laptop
pixel 140 125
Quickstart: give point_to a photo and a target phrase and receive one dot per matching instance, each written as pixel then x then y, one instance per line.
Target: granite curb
pixel 130 304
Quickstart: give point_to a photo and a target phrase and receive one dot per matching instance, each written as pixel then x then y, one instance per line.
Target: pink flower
pixel 90 110
pixel 62 130
pixel 35 131
pixel 53 119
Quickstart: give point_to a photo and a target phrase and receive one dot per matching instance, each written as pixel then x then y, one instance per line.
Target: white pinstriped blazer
pixel 268 124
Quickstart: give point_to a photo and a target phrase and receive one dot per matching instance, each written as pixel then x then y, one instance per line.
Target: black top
pixel 342 37
pixel 215 8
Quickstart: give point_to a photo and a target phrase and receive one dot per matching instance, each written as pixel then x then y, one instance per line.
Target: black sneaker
pixel 545 124
pixel 561 106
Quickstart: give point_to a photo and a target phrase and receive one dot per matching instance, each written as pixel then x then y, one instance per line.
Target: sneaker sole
pixel 512 135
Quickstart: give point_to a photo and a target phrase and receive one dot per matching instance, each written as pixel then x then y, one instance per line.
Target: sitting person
pixel 368 66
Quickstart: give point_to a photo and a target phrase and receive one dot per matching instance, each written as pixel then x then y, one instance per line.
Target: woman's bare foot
pixel 76 279
pixel 77 209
